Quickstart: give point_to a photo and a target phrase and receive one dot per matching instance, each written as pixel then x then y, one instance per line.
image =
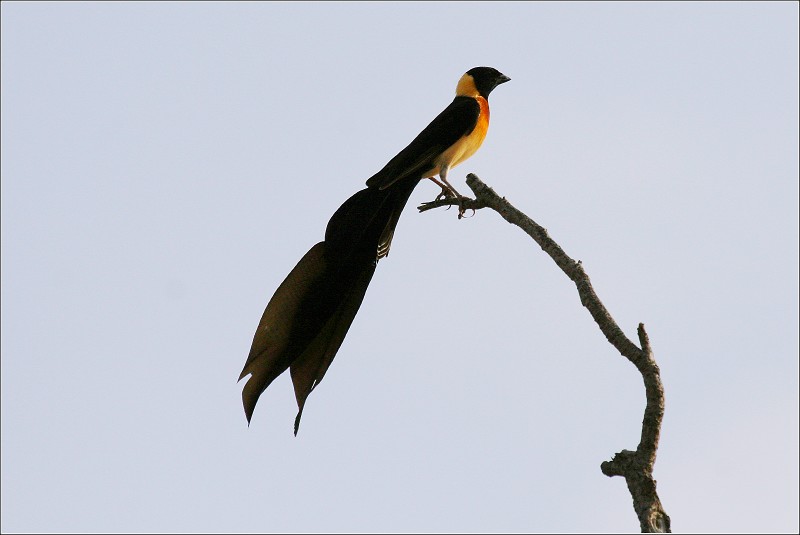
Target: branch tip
pixel 644 339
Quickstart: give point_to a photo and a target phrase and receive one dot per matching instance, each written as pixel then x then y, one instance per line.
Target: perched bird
pixel 310 313
pixel 452 137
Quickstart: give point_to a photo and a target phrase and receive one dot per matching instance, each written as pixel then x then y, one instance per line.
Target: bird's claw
pixel 454 195
pixel 445 194
pixel 461 209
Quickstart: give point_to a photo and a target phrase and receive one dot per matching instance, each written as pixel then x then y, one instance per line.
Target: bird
pixel 309 315
pixel 452 137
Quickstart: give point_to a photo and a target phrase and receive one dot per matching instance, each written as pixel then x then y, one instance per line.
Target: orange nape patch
pixel 466 87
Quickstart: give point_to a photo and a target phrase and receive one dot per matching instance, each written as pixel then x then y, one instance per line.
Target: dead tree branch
pixel 635 466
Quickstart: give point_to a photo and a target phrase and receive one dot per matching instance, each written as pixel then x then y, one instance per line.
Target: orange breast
pixel 467 145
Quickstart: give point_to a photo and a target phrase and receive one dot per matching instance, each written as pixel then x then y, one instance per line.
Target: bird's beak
pixel 503 79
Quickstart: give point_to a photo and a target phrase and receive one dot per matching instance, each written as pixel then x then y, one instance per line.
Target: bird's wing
pixel 456 121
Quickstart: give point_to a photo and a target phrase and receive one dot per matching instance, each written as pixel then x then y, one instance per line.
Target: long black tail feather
pixel 307 319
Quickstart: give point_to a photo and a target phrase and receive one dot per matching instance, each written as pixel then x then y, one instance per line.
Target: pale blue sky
pixel 165 165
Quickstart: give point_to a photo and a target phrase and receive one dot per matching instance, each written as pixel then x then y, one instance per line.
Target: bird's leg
pixel 446 191
pixel 452 191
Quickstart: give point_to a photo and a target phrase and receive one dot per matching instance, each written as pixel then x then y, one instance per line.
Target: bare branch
pixel 635 466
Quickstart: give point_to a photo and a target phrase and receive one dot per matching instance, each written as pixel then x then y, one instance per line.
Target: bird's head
pixel 480 81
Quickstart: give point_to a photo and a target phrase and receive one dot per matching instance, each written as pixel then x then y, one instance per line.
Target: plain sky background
pixel 165 165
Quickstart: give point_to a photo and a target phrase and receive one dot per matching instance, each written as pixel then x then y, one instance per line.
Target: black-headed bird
pixel 452 137
pixel 310 313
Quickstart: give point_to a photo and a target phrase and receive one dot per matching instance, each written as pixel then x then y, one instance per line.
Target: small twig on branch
pixel 635 466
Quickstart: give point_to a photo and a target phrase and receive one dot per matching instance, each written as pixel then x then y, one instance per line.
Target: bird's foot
pixel 446 197
pixel 462 200
pixel 446 194
pixel 449 199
